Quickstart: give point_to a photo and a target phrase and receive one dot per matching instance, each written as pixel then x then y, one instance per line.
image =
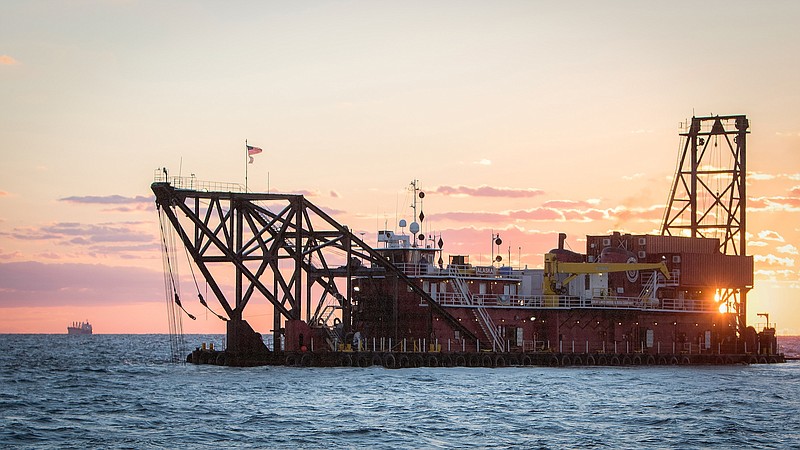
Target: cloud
pixel 774 260
pixel 4 194
pixel 758 176
pixel 569 204
pixel 504 217
pixel 49 255
pixel 125 240
pixel 525 245
pixel 787 204
pixel 483 162
pixel 31 283
pixel 633 177
pixel 650 213
pixel 549 213
pixel 334 213
pixel 303 192
pixel 8 256
pixel 585 215
pixel 125 204
pixel 761 176
pixel 788 249
pixel 769 235
pixel 775 275
pixel 6 60
pixel 98 233
pixel 108 199
pixel 488 191
pixel 334 194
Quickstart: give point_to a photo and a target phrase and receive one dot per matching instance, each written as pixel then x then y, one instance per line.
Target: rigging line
pixel 176 317
pixel 200 295
pixel 177 344
pixel 172 340
pixel 172 278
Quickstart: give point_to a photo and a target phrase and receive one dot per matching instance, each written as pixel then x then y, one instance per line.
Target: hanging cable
pixel 178 302
pixel 172 278
pixel 199 295
pixel 177 343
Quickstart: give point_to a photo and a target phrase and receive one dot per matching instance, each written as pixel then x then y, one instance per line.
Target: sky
pixel 524 118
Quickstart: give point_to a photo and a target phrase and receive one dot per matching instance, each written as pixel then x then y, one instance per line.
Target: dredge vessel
pixel 674 298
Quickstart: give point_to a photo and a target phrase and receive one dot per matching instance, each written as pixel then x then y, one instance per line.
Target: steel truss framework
pixel 280 247
pixel 709 200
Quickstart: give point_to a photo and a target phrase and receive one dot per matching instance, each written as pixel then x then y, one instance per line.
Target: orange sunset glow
pixel 520 118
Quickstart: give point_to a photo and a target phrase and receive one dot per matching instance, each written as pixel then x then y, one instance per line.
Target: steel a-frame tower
pixel 709 193
pixel 278 247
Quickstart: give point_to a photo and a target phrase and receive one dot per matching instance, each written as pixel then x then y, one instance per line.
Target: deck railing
pixel 193 184
pixel 424 269
pixel 566 302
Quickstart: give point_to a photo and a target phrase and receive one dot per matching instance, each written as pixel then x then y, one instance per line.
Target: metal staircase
pixel 484 320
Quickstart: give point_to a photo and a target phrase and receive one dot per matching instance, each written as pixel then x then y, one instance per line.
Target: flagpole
pixel 246 162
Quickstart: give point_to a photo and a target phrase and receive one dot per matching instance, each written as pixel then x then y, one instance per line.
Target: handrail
pixel 427 269
pixel 193 184
pixel 486 321
pixel 544 302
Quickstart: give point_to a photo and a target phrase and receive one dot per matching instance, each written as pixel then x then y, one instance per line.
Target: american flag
pixel 253 151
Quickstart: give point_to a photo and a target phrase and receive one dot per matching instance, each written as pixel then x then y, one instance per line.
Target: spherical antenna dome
pixel 402 223
pixel 414 227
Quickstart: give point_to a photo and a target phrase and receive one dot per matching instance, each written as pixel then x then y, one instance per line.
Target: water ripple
pixel 120 392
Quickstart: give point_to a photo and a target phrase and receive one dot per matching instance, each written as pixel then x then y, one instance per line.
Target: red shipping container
pixel 716 270
pixel 681 244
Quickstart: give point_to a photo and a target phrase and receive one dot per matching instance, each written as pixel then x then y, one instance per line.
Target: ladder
pixel 484 319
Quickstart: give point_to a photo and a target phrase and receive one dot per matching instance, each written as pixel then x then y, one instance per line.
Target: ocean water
pixel 120 391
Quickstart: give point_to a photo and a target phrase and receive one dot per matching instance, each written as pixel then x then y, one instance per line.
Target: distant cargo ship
pixel 80 328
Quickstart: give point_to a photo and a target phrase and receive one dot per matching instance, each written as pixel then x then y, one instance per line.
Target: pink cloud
pixel 4 194
pixel 125 240
pixel 499 217
pixel 646 213
pixel 115 203
pixel 769 235
pixel 567 204
pixel 99 233
pixel 526 245
pixel 108 199
pixel 306 193
pixel 757 203
pixel 776 203
pixel 9 256
pixel 38 284
pixel 469 217
pixel 6 60
pixel 49 255
pixel 487 191
pixel 774 260
pixel 124 204
pixel 586 215
pixel 536 214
